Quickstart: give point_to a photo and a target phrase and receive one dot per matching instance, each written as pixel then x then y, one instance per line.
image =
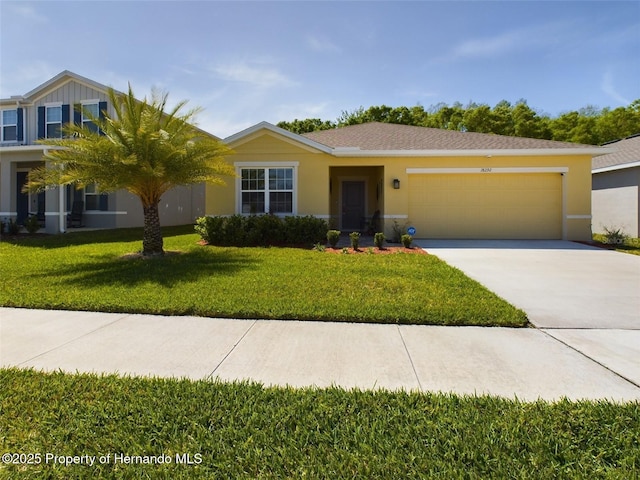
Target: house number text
pixel 485 170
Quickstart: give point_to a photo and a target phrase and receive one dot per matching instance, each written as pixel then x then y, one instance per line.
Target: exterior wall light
pixel 396 184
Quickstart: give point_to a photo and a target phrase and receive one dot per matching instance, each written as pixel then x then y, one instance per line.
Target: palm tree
pixel 142 149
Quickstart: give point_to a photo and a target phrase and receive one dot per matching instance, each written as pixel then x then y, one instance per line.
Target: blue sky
pixel 245 62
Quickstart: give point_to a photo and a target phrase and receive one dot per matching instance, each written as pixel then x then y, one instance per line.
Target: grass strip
pixel 245 430
pixel 90 271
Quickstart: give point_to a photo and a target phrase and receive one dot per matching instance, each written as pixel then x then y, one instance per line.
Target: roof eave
pixel 611 168
pixel 520 152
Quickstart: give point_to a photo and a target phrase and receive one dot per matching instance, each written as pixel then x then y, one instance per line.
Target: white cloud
pixel 509 41
pixel 322 45
pixel 262 76
pixel 609 88
pixel 27 12
pixel 487 47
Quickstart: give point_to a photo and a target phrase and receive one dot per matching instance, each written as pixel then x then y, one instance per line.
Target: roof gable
pixel 626 155
pixel 265 128
pixel 59 80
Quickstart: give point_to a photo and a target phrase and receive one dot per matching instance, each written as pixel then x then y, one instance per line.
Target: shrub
pixel 406 240
pixel 614 236
pixel 378 239
pixel 355 240
pixel 319 247
pixel 263 230
pixel 305 230
pixel 31 224
pixel 333 237
pixel 398 231
pixel 12 227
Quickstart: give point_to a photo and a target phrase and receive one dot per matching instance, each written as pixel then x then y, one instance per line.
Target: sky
pixel 247 62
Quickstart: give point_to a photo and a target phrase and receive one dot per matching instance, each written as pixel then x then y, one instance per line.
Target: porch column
pixel 7 192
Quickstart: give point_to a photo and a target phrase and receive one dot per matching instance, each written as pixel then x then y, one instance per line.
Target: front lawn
pixel 91 271
pixel 245 430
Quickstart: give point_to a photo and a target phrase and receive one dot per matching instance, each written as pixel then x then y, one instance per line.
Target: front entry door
pixel 352 205
pixel 22 199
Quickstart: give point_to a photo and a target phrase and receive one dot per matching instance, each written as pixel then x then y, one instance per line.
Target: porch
pixel 356 193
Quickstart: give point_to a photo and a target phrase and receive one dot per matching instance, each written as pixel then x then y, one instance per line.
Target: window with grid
pixel 9 125
pixel 91 197
pixel 54 122
pixel 89 111
pixel 267 190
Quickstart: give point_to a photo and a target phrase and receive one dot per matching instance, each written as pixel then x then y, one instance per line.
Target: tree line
pixel 588 125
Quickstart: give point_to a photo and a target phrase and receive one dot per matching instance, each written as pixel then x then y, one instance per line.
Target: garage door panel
pixel 486 206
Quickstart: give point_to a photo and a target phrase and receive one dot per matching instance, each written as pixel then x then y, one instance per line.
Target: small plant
pixel 614 236
pixel 406 240
pixel 370 250
pixel 355 240
pixel 378 240
pixel 31 224
pixel 398 231
pixel 333 236
pixel 319 247
pixel 12 227
pixel 345 250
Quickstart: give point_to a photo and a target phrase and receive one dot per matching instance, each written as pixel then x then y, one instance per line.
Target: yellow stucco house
pixel 444 184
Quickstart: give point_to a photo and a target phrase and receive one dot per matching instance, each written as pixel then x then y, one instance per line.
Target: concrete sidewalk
pixel 523 363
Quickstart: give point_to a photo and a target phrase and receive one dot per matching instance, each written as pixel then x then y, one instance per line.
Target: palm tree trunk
pixel 152 243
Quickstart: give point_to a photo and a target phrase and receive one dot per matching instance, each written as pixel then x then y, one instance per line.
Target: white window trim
pixel 96 194
pixel 266 165
pixel 83 104
pixel 2 125
pixel 47 123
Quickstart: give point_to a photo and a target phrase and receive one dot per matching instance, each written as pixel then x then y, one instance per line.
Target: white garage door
pixel 486 206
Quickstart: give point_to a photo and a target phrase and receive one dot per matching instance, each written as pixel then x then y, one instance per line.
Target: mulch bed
pixel 378 251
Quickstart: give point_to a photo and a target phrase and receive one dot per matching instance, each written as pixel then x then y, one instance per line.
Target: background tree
pixel 588 125
pixel 142 149
pixel 306 125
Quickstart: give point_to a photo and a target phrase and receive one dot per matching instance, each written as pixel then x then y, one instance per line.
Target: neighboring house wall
pixel 43 111
pixel 616 200
pixel 320 179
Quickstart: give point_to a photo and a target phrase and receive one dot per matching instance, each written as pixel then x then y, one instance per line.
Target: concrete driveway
pixel 558 284
pixel 586 298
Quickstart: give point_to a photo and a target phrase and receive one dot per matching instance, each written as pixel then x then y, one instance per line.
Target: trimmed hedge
pixel 261 230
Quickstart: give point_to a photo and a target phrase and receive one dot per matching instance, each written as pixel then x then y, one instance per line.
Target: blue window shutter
pixel 66 115
pixel 77 114
pixel 102 107
pixel 41 122
pixel 104 202
pixel 20 132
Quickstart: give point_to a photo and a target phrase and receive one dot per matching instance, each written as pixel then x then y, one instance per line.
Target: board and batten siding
pixel 68 94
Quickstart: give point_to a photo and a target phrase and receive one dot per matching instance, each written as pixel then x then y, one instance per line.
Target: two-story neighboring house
pixel 41 114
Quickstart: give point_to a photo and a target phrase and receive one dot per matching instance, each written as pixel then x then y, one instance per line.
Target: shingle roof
pixel 388 136
pixel 627 151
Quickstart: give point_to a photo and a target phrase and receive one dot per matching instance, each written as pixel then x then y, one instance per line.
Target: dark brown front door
pixel 352 205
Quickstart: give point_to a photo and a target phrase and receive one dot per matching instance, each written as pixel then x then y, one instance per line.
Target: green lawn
pixel 244 430
pixel 89 271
